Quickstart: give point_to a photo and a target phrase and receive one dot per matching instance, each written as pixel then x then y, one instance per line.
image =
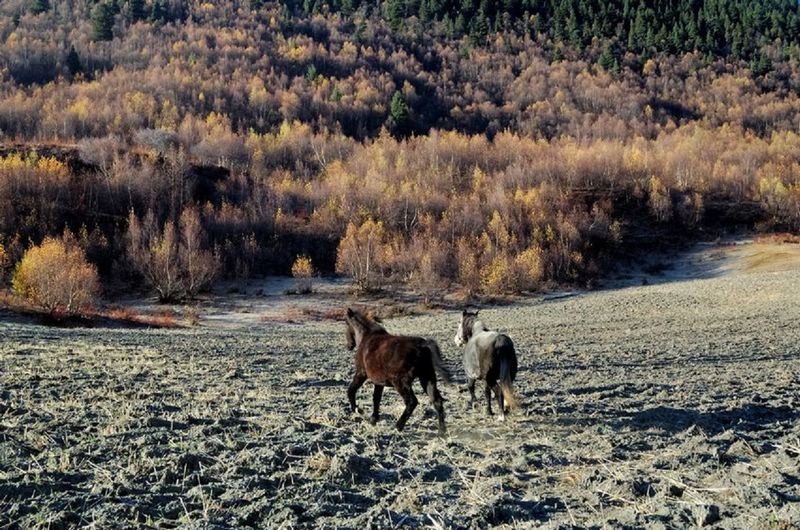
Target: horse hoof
pixel 501 417
pixel 358 411
pixel 373 420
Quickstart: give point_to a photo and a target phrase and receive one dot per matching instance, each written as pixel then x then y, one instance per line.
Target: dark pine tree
pixel 39 6
pixel 73 61
pixel 398 111
pixel 102 22
pixel 137 10
pixel 396 13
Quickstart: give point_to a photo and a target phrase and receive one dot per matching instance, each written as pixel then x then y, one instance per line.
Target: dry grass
pixel 630 421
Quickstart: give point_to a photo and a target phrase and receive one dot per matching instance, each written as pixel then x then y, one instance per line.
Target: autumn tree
pixel 171 258
pixel 199 266
pixel 3 262
pixel 56 277
pixel 359 253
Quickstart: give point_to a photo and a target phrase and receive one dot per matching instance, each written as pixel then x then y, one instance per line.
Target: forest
pixel 497 146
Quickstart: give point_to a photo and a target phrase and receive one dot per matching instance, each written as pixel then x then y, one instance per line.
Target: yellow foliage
pixel 302 267
pixel 53 167
pixel 496 277
pixel 359 253
pixel 498 231
pixel 660 201
pixel 81 108
pixel 529 268
pixel 634 159
pixel 56 277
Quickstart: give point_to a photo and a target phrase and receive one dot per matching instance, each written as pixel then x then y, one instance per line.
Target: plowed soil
pixel 669 405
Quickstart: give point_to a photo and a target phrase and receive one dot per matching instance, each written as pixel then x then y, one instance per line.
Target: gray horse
pixel 490 356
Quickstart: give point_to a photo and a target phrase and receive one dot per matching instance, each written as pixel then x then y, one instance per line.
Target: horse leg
pixel 488 393
pixel 471 388
pixel 376 403
pixel 411 403
pixel 499 393
pixel 358 380
pixel 436 399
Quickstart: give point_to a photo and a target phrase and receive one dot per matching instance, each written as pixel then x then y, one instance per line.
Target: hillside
pixel 500 146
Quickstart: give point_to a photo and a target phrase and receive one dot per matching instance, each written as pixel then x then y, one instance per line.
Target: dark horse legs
pixel 358 381
pixel 494 386
pixel 436 398
pixel 411 403
pixel 405 391
pixel 376 403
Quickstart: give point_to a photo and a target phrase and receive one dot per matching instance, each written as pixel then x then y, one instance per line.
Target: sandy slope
pixel 670 405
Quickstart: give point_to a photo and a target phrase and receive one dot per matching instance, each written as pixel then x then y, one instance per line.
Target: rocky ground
pixel 669 405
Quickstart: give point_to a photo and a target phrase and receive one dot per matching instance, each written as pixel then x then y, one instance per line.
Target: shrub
pixel 171 259
pixel 56 277
pixel 303 271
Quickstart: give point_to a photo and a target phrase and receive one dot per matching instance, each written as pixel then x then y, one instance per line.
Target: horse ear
pixel 350 312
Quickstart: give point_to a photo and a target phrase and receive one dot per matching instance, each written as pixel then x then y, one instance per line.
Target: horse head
pixel 464 333
pixel 358 324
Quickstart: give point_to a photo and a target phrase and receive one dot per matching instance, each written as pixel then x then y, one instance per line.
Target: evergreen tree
pixel 761 65
pixel 479 29
pixel 39 6
pixel 398 111
pixel 607 59
pixel 395 13
pixel 347 7
pixel 73 61
pixel 159 12
pixel 311 72
pixel 137 10
pixel 102 22
pixel 460 25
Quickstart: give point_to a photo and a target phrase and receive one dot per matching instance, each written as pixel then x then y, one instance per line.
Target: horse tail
pixel 508 368
pixel 438 364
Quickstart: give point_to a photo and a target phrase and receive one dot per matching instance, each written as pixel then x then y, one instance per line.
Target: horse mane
pixel 366 323
pixel 477 322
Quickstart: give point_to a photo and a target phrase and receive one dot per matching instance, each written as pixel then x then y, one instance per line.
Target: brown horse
pixel 392 360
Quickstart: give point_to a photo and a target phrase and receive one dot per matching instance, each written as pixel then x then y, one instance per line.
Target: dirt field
pixel 669 405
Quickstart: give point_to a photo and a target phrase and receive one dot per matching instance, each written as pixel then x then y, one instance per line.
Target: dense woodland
pixel 500 146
